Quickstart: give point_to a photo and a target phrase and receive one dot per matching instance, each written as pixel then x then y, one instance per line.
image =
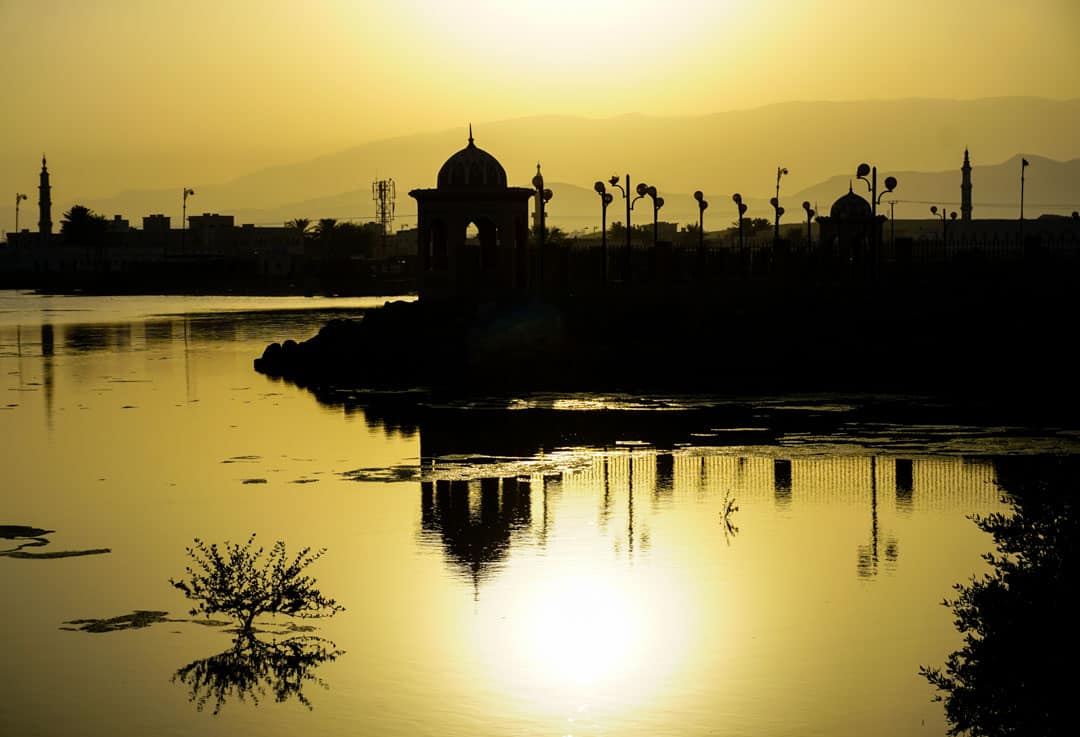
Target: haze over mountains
pixel 920 141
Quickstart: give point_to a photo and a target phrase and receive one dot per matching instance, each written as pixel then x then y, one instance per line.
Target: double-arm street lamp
pixel 944 222
pixel 19 197
pixel 543 196
pixel 875 198
pixel 809 218
pixel 645 190
pixel 702 203
pixel 737 199
pixel 606 198
pixel 775 202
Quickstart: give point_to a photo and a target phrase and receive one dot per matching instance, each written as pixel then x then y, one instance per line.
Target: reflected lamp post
pixel 809 217
pixel 183 220
pixel 606 198
pixel 775 202
pixel 702 203
pixel 19 197
pixel 737 199
pixel 875 198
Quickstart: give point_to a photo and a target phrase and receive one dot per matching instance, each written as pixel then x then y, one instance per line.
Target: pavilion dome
pixel 472 168
pixel 851 207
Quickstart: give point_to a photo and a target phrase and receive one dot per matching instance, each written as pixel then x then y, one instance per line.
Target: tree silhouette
pixel 301 224
pixel 81 226
pixel 237 581
pixel 1020 642
pixel 753 225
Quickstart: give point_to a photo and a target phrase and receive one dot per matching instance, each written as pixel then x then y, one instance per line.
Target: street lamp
pixel 944 222
pixel 875 198
pixel 775 202
pixel 809 217
pixel 183 220
pixel 614 182
pixel 542 197
pixel 737 198
pixel 19 197
pixel 606 198
pixel 702 204
pixel 645 190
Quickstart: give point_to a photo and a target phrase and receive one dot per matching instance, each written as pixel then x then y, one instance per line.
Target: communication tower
pixel 383 193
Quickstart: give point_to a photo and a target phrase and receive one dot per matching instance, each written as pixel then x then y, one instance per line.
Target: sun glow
pixel 596 37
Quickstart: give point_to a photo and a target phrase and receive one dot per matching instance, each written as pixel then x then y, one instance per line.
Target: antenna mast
pixel 383 192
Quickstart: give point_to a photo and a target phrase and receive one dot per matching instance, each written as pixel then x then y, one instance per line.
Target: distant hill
pixel 919 141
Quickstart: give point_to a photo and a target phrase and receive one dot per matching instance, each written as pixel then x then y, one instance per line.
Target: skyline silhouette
pixel 715 153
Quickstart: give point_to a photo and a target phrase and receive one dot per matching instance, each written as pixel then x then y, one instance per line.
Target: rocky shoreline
pixel 951 347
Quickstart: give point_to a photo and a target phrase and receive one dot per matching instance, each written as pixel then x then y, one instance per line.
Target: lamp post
pixel 1024 163
pixel 606 198
pixel 944 222
pixel 19 197
pixel 737 198
pixel 645 190
pixel 183 221
pixel 775 202
pixel 875 198
pixel 809 218
pixel 614 182
pixel 542 197
pixel 702 203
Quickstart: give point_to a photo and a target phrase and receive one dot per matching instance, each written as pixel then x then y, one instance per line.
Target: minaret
pixel 965 189
pixel 44 203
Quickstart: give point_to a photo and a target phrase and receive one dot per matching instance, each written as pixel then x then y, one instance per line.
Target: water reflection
pixel 48 341
pixel 479 507
pixel 475 524
pixel 252 668
pixel 1019 638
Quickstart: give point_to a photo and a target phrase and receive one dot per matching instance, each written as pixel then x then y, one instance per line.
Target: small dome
pixel 472 168
pixel 851 207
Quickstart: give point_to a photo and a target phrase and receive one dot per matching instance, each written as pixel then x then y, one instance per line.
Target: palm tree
pixel 82 226
pixel 301 224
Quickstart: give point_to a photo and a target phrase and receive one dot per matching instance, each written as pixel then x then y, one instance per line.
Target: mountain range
pixel 921 142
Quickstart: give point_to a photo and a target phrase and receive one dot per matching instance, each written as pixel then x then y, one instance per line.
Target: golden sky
pixel 212 89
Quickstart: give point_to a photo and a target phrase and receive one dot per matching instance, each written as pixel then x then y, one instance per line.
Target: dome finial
pixel 470 135
pixel 849 189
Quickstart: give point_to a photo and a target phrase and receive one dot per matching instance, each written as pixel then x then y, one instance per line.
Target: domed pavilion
pixel 850 230
pixel 471 189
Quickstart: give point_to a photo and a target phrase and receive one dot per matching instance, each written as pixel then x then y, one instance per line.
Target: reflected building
pixel 624 490
pixel 475 520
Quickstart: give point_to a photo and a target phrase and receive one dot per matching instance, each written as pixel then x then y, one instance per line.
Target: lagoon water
pixel 530 565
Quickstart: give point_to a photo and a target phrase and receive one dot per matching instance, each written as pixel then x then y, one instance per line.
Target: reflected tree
pixel 1020 641
pixel 251 669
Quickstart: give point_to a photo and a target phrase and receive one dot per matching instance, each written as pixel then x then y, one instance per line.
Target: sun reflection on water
pixel 595 645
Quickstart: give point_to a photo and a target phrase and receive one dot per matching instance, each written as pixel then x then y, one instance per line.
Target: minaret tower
pixel 44 202
pixel 965 189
